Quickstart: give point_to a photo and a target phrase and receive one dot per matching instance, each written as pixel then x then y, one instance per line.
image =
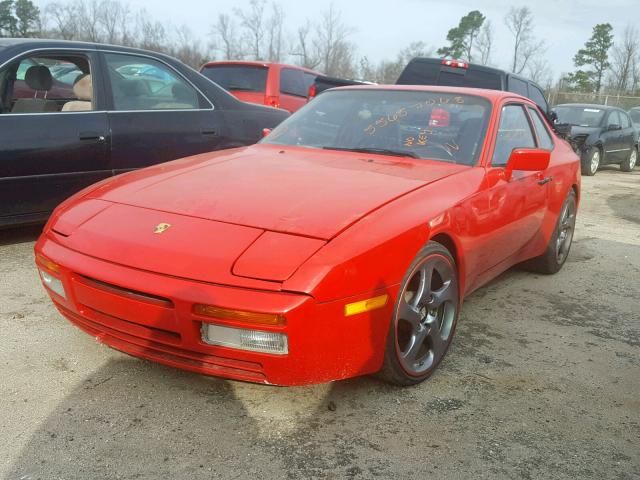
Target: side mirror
pixel 614 126
pixel 527 160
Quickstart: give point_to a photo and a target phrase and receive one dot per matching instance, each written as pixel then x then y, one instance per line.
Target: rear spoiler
pixel 324 82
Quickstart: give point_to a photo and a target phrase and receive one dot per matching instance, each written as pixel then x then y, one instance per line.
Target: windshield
pixel 580 116
pixel 635 116
pixel 242 78
pixel 421 124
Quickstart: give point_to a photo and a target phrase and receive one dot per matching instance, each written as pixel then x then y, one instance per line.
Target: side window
pixel 518 86
pixel 614 119
pixel 624 120
pixel 47 83
pixel 141 83
pixel 514 131
pixel 292 82
pixel 309 79
pixel 537 96
pixel 543 134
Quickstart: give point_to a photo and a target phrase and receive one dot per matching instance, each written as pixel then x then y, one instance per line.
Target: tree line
pixel 605 64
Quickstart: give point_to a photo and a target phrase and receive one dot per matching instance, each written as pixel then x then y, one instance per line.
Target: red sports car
pixel 341 245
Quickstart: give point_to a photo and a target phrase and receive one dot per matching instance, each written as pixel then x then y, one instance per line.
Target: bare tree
pixel 540 72
pixel 65 21
pixel 331 40
pixel 276 34
pixel 187 49
pixel 88 12
pixel 307 54
pixel 227 35
pixel 625 59
pixel 252 21
pixel 519 21
pixel 484 43
pixel 151 35
pixel 112 19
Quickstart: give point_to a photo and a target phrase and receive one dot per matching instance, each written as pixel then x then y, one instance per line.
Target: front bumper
pixel 151 316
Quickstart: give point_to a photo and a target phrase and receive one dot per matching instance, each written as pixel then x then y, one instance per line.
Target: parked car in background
pixel 453 73
pixel 58 138
pixel 324 82
pixel 634 113
pixel 273 84
pixel 343 244
pixel 600 134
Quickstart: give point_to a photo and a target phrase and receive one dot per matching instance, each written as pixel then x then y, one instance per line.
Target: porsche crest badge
pixel 161 228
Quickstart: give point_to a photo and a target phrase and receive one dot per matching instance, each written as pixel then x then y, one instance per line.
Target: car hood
pixel 300 191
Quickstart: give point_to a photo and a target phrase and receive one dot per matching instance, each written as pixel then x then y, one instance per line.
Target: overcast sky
pixel 383 27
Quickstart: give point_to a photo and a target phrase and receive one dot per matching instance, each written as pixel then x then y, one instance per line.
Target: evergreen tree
pixel 461 38
pixel 596 55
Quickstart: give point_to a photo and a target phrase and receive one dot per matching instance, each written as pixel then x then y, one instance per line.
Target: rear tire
pixel 591 161
pixel 424 318
pixel 557 251
pixel 630 163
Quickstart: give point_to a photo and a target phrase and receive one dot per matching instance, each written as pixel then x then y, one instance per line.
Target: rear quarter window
pixel 292 82
pixel 518 86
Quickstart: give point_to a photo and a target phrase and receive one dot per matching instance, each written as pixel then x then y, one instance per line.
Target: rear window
pixel 241 78
pixel 581 116
pixel 423 73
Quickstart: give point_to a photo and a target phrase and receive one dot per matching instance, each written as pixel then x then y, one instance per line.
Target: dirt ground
pixel 542 382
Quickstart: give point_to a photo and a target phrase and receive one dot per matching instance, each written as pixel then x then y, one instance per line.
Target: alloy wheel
pixel 426 314
pixel 595 161
pixel 565 231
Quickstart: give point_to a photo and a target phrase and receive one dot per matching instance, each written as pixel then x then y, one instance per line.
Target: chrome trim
pixel 618 150
pixel 101 50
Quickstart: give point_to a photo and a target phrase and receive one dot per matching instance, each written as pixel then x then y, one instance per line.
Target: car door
pixel 516 205
pixel 612 138
pixel 49 151
pixel 627 135
pixel 155 118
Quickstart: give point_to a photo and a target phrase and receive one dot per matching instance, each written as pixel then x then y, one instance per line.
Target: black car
pixel 56 137
pixel 601 135
pixel 454 73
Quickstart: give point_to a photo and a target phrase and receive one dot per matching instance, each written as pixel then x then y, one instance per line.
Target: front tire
pixel 424 319
pixel 630 163
pixel 553 258
pixel 591 161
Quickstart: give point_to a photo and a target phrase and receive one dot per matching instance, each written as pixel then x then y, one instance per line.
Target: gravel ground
pixel 542 382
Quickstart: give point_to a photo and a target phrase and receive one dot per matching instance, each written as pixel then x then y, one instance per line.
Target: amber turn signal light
pixel 239 315
pixel 48 264
pixel 365 305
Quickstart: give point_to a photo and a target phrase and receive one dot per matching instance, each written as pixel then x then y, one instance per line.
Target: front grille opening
pixel 126 292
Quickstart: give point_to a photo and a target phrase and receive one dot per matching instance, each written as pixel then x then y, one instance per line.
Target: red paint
pixel 293 231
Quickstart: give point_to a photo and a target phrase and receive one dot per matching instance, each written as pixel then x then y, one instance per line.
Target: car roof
pixel 475 66
pixel 588 105
pixel 33 43
pixel 494 95
pixel 257 63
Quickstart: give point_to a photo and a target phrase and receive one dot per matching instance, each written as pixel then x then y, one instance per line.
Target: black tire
pixel 557 251
pixel 630 163
pixel 591 161
pixel 416 347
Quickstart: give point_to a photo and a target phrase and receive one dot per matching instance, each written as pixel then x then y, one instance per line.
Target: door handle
pixel 96 136
pixel 545 180
pixel 209 131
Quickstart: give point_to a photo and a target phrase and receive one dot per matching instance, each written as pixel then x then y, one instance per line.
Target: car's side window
pixel 514 131
pixel 292 82
pixel 544 136
pixel 142 83
pixel 624 120
pixel 537 96
pixel 47 83
pixel 518 86
pixel 614 119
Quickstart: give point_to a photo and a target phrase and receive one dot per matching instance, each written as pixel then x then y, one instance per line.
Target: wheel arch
pixel 448 241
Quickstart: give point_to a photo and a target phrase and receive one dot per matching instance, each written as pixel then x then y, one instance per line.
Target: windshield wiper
pixel 381 151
